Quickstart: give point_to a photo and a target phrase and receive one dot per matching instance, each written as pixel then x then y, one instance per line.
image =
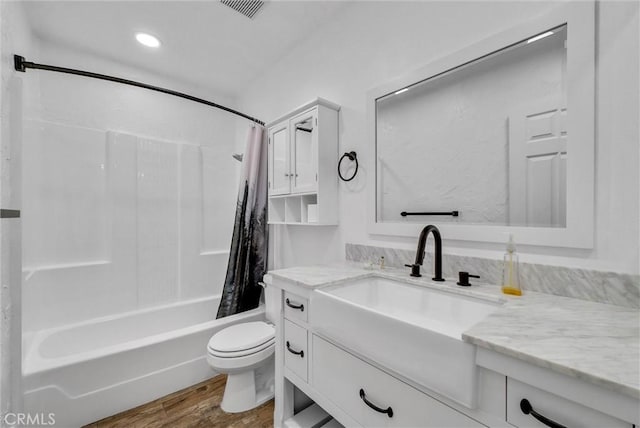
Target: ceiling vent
pixel 246 7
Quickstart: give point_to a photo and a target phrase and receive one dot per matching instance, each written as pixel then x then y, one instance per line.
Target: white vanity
pixel 375 348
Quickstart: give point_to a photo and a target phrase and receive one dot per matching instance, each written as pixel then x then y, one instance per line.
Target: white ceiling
pixel 203 42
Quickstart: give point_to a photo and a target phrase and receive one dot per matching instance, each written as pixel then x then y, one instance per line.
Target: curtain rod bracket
pixel 18 63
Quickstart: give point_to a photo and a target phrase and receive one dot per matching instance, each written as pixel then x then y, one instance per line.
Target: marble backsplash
pixel 598 286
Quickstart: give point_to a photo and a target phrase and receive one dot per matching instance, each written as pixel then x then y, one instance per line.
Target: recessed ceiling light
pixel 540 36
pixel 148 40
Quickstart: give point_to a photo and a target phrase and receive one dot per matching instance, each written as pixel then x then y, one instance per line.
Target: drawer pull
pixel 527 409
pixel 301 306
pixel 301 353
pixel 388 410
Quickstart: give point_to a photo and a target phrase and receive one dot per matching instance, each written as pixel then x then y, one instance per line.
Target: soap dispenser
pixel 511 270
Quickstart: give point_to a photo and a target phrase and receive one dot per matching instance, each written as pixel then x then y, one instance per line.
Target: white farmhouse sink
pixel 412 330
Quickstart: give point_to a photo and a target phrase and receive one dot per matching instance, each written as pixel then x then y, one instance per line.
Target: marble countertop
pixel 596 342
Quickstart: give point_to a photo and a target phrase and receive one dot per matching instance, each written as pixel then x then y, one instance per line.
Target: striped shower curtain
pixel 248 255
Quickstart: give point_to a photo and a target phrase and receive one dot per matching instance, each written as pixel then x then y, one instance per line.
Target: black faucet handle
pixel 415 270
pixel 464 278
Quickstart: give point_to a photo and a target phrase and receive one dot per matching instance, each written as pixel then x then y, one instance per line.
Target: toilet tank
pixel 271 296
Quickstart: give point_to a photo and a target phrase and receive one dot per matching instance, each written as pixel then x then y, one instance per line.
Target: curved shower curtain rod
pixel 21 65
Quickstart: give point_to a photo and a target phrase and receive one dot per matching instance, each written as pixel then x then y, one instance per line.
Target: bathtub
pixel 84 372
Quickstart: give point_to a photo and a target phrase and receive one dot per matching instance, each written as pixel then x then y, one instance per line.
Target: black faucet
pixel 422 242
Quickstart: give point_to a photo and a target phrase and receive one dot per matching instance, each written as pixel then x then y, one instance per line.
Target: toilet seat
pixel 242 340
pixel 242 353
pixel 241 346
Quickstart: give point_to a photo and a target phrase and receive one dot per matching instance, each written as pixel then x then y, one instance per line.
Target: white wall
pixel 129 195
pixel 373 42
pixel 15 38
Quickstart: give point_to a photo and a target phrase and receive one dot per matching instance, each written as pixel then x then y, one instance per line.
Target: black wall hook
pixel 352 157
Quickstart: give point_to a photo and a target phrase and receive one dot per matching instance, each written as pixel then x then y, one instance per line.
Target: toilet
pixel 245 352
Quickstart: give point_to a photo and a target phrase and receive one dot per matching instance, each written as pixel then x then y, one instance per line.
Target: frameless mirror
pixel 483 143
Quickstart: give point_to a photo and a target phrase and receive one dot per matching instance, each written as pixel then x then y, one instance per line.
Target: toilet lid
pixel 242 336
pixel 245 353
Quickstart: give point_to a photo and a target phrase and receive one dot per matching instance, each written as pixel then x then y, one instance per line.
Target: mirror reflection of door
pixel 303 162
pixel 538 166
pixel 280 182
pixel 443 143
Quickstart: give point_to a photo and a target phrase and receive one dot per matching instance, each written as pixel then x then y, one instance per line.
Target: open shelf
pixel 309 208
pixel 276 210
pixel 293 213
pixel 298 209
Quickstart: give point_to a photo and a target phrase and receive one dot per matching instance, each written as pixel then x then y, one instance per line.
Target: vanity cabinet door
pixel 304 149
pixel 357 387
pixel 296 308
pixel 279 159
pixel 553 407
pixel 296 353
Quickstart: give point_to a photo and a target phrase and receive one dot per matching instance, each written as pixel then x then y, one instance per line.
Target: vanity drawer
pixel 295 307
pixel 295 349
pixel 554 407
pixel 349 381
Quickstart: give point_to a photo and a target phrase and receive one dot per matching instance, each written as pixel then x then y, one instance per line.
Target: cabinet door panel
pixel 279 160
pixel 340 376
pixel 304 149
pixel 295 350
pixel 558 409
pixel 296 308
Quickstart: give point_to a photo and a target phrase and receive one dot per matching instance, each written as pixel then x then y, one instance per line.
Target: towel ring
pixel 352 157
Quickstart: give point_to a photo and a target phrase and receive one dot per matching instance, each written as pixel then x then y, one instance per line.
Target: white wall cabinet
pixel 303 152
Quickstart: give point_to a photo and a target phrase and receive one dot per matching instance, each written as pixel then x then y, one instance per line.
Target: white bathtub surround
pixel 115 222
pixel 562 334
pixel 598 286
pixel 86 371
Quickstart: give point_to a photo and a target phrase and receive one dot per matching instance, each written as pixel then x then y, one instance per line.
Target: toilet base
pixel 248 389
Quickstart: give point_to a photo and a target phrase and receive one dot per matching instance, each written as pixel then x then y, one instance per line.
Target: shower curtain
pixel 248 255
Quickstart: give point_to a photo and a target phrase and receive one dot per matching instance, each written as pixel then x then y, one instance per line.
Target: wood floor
pixel 196 406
